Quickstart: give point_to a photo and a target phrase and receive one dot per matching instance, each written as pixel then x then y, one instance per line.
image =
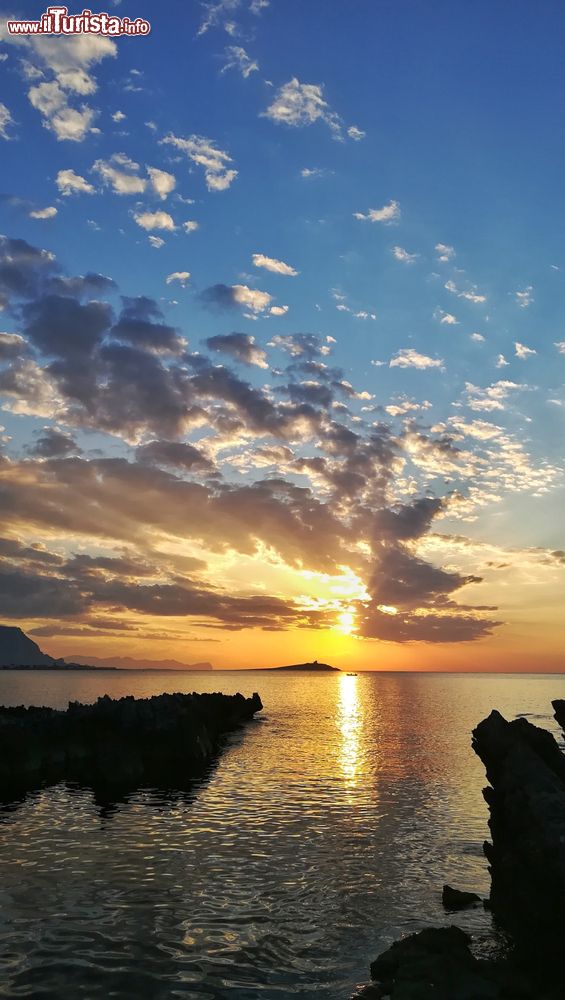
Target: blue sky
pixel 385 177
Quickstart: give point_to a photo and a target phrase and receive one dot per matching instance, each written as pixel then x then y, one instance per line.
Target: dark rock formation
pixel 437 964
pixel 559 707
pixel 17 650
pixel 526 770
pixel 161 741
pixel 455 899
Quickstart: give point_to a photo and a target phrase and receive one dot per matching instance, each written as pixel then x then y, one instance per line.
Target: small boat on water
pixel 351 675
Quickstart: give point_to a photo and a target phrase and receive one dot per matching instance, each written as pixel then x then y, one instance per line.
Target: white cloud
pixel 120 174
pixel 44 213
pixel 154 220
pixel 492 397
pixel 478 338
pixel 216 16
pixel 205 153
pixel 409 358
pixel 190 226
pixel 161 182
pixel 356 133
pixel 522 351
pixel 501 361
pixel 237 58
pixel 156 242
pixel 404 256
pixel 444 252
pixel 470 294
pixel 387 214
pixel 256 6
pixel 560 345
pixel 447 318
pixel 6 121
pixel 70 183
pixel 118 116
pixel 298 104
pixel 181 276
pixel 278 310
pixel 276 266
pixel 313 172
pixel 63 65
pixel 251 298
pixel 525 298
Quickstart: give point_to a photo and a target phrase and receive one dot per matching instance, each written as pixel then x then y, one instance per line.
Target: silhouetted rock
pixel 456 899
pixel 129 742
pixel 437 964
pixel 314 665
pixel 559 706
pixel 17 650
pixel 526 770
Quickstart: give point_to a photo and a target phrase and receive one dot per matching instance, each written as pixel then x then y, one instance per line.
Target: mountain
pixel 315 666
pixel 16 650
pixel 132 663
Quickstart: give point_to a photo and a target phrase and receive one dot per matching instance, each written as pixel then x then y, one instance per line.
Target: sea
pixel 324 831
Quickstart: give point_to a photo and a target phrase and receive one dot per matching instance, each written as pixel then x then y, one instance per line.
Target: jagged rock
pixel 526 800
pixel 437 964
pixel 456 899
pixel 160 740
pixel 559 706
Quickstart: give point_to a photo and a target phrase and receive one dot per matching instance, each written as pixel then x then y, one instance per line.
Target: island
pixel 313 666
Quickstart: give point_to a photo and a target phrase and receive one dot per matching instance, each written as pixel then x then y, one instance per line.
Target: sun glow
pixel 346 622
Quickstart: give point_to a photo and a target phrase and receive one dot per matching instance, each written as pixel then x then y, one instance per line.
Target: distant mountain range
pixel 17 650
pixel 132 663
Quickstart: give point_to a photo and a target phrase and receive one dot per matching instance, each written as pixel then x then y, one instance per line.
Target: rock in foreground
pixel 161 740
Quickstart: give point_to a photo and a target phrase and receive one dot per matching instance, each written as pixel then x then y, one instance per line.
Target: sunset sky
pixel 282 348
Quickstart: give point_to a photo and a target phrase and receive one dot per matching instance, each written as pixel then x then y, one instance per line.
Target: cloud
pixel 404 256
pixel 522 351
pixel 215 162
pixel 501 361
pixel 215 15
pixel 298 104
pixel 477 338
pixel 309 172
pixel 70 183
pixel 156 242
pixel 446 318
pixel 355 133
pixel 278 310
pixel 60 71
pixel 161 182
pixel 239 346
pixel 238 59
pixel 120 174
pixel 445 252
pixel 273 265
pixel 6 121
pixel 154 220
pixel 181 276
pixel 409 358
pixel 525 297
pixel 190 226
pixel 53 443
pixel 174 455
pixel 388 214
pixel 43 213
pixel 560 345
pixel 491 397
pixel 234 296
pixel 118 116
pixel 470 294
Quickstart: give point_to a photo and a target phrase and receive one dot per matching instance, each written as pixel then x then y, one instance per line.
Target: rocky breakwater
pixel 526 800
pixel 164 740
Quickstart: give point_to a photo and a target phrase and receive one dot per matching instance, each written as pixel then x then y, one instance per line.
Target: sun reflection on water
pixel 349 724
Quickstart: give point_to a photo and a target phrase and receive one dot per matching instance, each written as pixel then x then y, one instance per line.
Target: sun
pixel 346 622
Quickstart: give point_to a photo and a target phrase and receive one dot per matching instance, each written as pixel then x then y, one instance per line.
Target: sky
pixel 282 348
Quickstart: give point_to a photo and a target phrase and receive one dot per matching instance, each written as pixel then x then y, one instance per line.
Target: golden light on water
pixel 349 725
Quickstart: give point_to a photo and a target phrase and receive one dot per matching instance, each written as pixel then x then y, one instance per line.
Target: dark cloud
pixel 52 443
pixel 175 455
pixel 23 268
pixel 62 326
pixel 82 286
pixel 425 628
pixel 221 297
pixel 140 324
pixel 239 346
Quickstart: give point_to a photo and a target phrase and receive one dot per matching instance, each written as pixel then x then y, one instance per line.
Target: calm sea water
pixel 326 829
